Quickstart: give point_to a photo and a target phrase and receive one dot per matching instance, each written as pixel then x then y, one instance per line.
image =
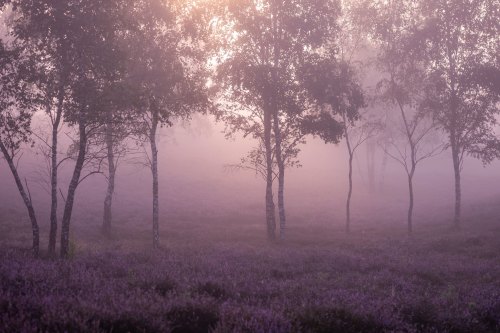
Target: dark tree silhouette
pixel 165 69
pixel 120 122
pixel 335 89
pixel 408 140
pixel 460 43
pixel 16 111
pixel 261 50
pixel 71 26
pixel 47 50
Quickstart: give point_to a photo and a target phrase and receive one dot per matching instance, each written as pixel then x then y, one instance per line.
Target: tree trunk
pixel 382 173
pixel 270 214
pixel 281 175
pixel 154 170
pixel 410 207
pixel 458 190
pixel 26 199
pixel 350 150
pixel 281 201
pixel 70 198
pixel 277 31
pixel 108 200
pixel 370 161
pixel 454 131
pixel 349 195
pixel 53 176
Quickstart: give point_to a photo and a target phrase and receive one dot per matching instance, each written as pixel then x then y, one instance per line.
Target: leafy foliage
pixel 333 86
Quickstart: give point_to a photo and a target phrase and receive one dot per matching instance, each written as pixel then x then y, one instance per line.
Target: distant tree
pixel 255 160
pixel 460 43
pixel 355 49
pixel 355 136
pixel 408 140
pixel 120 121
pixel 16 111
pixel 262 45
pixel 112 140
pixel 334 87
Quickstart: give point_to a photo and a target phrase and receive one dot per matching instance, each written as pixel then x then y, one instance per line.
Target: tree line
pixel 277 71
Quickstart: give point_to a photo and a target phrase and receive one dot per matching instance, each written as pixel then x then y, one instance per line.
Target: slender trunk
pixel 281 175
pixel 454 132
pixel 458 191
pixel 26 199
pixel 53 175
pixel 410 207
pixel 281 201
pixel 350 150
pixel 382 173
pixel 154 170
pixel 349 195
pixel 270 214
pixel 108 200
pixel 455 154
pixel 411 172
pixel 370 160
pixel 277 31
pixel 53 206
pixel 75 180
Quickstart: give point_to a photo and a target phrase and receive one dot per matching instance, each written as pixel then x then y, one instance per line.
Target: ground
pixel 225 277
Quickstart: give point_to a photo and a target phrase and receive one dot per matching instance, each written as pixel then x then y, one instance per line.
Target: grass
pixel 223 276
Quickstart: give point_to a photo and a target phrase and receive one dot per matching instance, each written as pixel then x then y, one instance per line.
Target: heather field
pixel 225 277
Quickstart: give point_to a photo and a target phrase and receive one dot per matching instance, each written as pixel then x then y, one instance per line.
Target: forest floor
pixel 218 277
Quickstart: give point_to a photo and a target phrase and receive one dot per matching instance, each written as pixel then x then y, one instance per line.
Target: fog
pixel 196 185
pixel 216 166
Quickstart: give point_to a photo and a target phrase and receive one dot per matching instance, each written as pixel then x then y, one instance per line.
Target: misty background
pixel 198 188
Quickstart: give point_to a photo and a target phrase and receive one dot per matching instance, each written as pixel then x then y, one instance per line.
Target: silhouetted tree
pixel 120 122
pixel 262 47
pixel 16 111
pixel 460 40
pixel 47 50
pixel 401 88
pixel 334 87
pixel 255 160
pixel 86 59
pixel 96 69
pixel 165 67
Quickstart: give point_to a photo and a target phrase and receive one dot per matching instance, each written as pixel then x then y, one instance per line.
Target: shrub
pixel 212 289
pixel 165 286
pixel 333 320
pixel 126 325
pixel 421 315
pixel 192 319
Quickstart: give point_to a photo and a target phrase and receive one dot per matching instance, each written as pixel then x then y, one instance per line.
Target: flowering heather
pixel 204 281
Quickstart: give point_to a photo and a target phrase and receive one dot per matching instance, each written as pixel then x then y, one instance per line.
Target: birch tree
pixel 460 40
pixel 166 69
pixel 68 28
pixel 120 121
pixel 262 45
pixel 339 96
pixel 412 137
pixel 47 50
pixel 16 111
